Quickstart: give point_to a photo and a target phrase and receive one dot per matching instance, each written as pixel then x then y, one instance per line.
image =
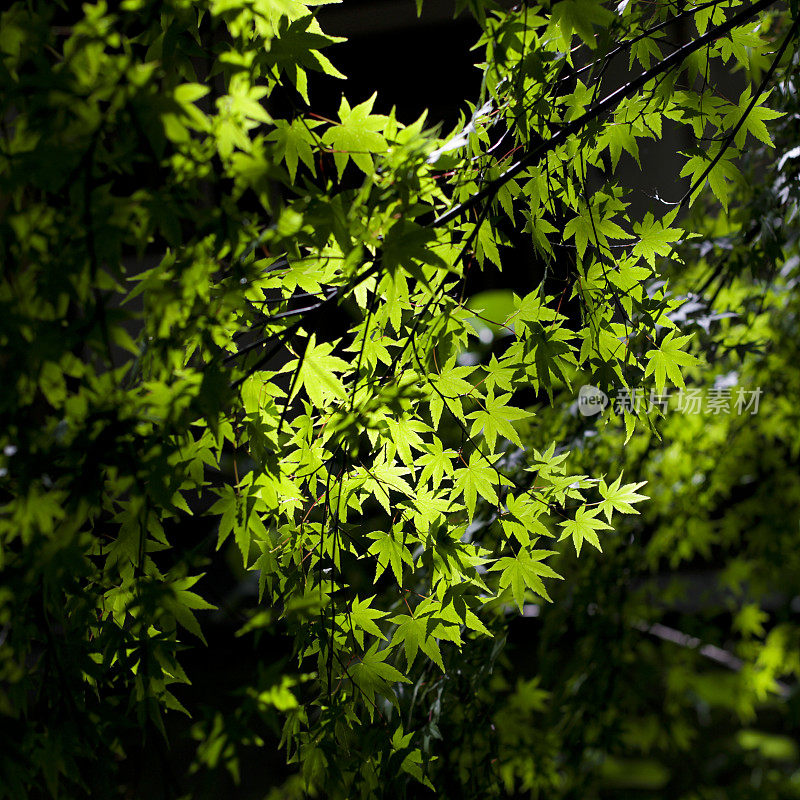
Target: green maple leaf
pixel 405 435
pixel 436 463
pixel 183 602
pixel 406 243
pixel 362 618
pixel 580 16
pixel 534 308
pixel 525 571
pixel 449 385
pixel 293 141
pixel 373 675
pixel 477 478
pixel 665 361
pixel 713 14
pixel 539 228
pixel 579 227
pixel 487 244
pixel 584 527
pixel 452 381
pixel 318 370
pixel 429 507
pixel 297 49
pixel 644 51
pixel 384 477
pixel 457 606
pixel 629 278
pixel 522 519
pixel 620 498
pixel 720 175
pixel 267 566
pixel 227 506
pixel 498 374
pixel 619 136
pixel 495 417
pixel 413 763
pixel 552 353
pixel 357 136
pixel 654 239
pixel 414 633
pixel 743 43
pixel 390 550
pixel 753 121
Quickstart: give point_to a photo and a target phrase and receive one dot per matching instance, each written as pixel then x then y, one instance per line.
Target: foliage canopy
pixel 232 326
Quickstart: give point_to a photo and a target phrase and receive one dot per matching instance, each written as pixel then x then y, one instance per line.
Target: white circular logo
pixel 591 400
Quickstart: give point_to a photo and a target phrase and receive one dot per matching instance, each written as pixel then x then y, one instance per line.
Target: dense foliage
pixel 235 332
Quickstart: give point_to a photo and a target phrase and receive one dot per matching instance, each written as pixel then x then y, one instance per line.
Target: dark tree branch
pixel 605 105
pixel 732 134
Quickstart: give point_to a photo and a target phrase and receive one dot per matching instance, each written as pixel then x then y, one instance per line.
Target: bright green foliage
pixel 666 360
pixel 525 571
pixel 678 674
pixel 356 136
pixel 619 498
pixel 153 413
pixel 696 658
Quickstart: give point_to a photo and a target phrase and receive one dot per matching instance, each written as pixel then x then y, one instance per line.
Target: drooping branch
pixel 732 133
pixel 605 105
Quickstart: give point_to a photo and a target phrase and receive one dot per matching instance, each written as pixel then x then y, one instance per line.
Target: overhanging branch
pixel 605 105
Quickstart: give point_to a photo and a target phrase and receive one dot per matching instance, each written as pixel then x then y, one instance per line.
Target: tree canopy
pixel 245 345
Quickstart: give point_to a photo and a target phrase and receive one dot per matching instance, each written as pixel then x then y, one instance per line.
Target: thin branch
pixel 606 104
pixel 710 651
pixel 751 105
